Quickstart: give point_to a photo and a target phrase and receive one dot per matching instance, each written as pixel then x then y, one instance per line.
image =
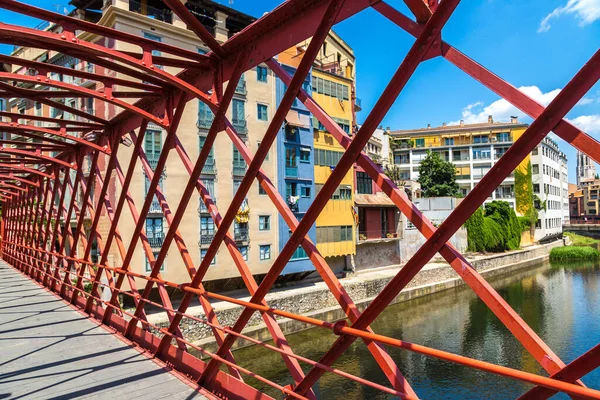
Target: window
pixel 265 252
pixel 207 226
pixel 306 191
pixel 334 234
pixel 261 74
pixel 327 158
pixel 291 189
pixel 261 111
pixel 238 111
pixel 345 194
pixel 305 155
pixel 261 191
pixel 149 266
pixel 536 188
pixel 299 253
pixel 258 145
pixel 448 141
pixel 210 160
pixel 153 146
pixel 363 183
pixel 203 254
pixel 244 252
pixel 503 137
pixel 535 168
pixel 264 222
pixel 481 139
pixel 420 142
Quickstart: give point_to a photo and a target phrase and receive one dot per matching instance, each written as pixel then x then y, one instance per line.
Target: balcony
pixel 239 169
pixel 293 205
pixel 357 104
pixel 206 238
pixel 204 121
pixel 479 157
pixel 378 235
pixel 209 167
pixel 463 176
pixel 241 126
pixel 153 161
pixel 505 195
pixel 155 206
pixel 241 235
pixel 291 172
pixel 241 87
pixel 498 155
pixel 156 240
pixel 461 158
pixel 159 14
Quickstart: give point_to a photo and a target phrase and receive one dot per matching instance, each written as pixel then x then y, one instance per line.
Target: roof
pixel 459 128
pixel 379 199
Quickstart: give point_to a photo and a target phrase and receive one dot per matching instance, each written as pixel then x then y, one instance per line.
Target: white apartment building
pixel 550 184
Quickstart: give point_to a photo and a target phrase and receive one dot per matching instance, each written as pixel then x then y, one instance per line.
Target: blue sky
pixel 535 45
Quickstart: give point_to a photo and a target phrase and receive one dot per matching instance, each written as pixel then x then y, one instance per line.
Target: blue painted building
pixel 295 170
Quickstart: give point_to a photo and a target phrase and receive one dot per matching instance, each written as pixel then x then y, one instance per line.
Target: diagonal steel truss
pixel 34 186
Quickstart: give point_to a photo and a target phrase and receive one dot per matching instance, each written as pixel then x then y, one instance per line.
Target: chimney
pixel 387 128
pixel 462 122
pixel 490 119
pixel 428 126
pixel 443 124
pixel 514 119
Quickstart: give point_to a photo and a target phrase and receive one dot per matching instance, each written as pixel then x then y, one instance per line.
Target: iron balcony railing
pixel 209 167
pixel 504 195
pixel 239 168
pixel 151 12
pixel 156 240
pixel 241 235
pixel 153 161
pixel 240 125
pixel 206 238
pixel 482 156
pixel 155 206
pixel 461 158
pixel 205 121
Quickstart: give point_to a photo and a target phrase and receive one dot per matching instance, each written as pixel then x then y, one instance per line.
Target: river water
pixel 559 302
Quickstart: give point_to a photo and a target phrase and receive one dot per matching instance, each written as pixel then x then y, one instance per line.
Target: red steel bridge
pixel 34 185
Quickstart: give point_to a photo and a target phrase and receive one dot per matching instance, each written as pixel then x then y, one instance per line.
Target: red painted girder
pixel 420 9
pixel 174 222
pixel 63 94
pixel 20 128
pixel 404 72
pixel 25 130
pixel 18 92
pixel 287 25
pixel 38 156
pixel 15 117
pixel 105 97
pixel 12 176
pixel 530 340
pixel 14 168
pixel 564 129
pixel 72 24
pixel 184 253
pixel 578 368
pixel 44 68
pixel 565 100
pixel 87 188
pixel 324 25
pixel 195 26
pixel 58 42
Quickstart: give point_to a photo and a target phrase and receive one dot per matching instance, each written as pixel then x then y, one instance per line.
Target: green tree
pixel 438 177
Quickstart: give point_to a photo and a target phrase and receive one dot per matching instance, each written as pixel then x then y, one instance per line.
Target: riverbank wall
pixel 315 299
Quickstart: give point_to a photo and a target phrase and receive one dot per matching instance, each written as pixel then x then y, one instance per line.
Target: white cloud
pixel 587 123
pixel 586 100
pixel 502 110
pixel 586 11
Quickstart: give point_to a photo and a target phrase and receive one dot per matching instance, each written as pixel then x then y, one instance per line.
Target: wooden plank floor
pixel 50 351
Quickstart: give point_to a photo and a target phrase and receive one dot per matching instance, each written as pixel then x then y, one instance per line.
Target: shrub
pixel 496 229
pixel 579 240
pixel 569 253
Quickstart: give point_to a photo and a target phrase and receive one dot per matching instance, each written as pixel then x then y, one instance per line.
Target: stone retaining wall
pixel 315 300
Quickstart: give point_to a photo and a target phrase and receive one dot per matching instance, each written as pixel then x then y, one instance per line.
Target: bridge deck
pixel 50 351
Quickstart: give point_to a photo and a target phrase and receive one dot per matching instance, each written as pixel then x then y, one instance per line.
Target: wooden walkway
pixel 50 351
